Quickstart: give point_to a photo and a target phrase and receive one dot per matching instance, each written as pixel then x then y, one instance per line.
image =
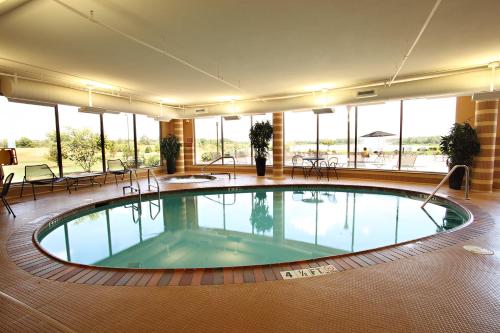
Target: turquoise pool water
pixel 238 227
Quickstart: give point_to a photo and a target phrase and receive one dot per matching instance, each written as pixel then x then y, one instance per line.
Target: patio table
pixel 87 177
pixel 314 164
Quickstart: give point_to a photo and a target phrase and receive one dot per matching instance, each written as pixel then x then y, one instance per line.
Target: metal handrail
pixel 467 183
pixel 221 158
pixel 157 186
pixel 132 188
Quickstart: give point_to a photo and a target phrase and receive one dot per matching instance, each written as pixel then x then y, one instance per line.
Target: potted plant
pixel 260 136
pixel 170 148
pixel 461 145
pixel 260 218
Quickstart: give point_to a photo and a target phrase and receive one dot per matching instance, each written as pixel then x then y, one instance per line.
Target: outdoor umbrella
pixel 377 134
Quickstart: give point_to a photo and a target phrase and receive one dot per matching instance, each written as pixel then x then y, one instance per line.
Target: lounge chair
pixel 298 162
pixel 5 191
pixel 408 161
pixel 116 167
pixel 41 175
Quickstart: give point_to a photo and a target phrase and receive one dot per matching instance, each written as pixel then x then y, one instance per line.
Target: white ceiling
pixel 267 47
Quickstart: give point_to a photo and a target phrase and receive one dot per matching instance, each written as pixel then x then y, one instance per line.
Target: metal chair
pixel 298 162
pixel 116 167
pixel 41 175
pixel 5 191
pixel 331 164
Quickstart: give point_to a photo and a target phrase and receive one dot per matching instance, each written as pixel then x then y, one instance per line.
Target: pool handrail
pixel 467 182
pixel 157 186
pixel 218 159
pixel 133 188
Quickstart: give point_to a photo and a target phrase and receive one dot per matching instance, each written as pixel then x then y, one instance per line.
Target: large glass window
pixel 378 136
pixel 148 141
pixel 300 135
pixel 215 136
pixel 119 137
pixel 236 141
pixel 333 135
pixel 424 122
pixel 208 139
pixel 80 140
pixel 31 129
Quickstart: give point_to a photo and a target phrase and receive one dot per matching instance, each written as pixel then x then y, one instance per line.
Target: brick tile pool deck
pixel 432 285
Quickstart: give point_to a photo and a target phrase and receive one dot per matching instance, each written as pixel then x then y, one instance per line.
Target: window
pixel 80 140
pixel 148 141
pixel 333 135
pixel 424 122
pixel 236 141
pixel 378 136
pixel 31 129
pixel 119 137
pixel 300 135
pixel 208 144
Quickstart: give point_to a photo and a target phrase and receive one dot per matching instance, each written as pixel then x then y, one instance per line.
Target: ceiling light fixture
pixel 160 116
pixel 233 117
pixel 323 110
pixel 492 94
pixel 92 109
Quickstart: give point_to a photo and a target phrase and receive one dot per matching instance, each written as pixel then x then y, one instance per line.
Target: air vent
pixel 323 110
pixel 200 111
pixel 366 93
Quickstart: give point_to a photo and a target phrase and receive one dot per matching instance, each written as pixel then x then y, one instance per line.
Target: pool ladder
pixel 136 207
pixel 223 173
pixel 467 183
pixel 157 187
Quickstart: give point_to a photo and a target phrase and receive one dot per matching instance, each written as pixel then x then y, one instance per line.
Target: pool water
pixel 243 227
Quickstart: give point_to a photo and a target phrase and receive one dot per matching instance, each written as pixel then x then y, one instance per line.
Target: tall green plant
pixel 170 147
pixel 461 144
pixel 260 136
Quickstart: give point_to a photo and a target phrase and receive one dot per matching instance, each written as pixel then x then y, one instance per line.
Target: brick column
pixel 278 145
pixel 179 133
pixel 496 171
pixel 484 163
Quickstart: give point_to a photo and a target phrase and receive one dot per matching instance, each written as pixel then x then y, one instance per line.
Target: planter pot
pixel 456 178
pixel 260 164
pixel 171 166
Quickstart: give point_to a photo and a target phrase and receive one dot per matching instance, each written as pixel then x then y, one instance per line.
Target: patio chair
pixel 41 174
pixel 330 164
pixel 298 162
pixel 116 167
pixel 5 191
pixel 408 161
